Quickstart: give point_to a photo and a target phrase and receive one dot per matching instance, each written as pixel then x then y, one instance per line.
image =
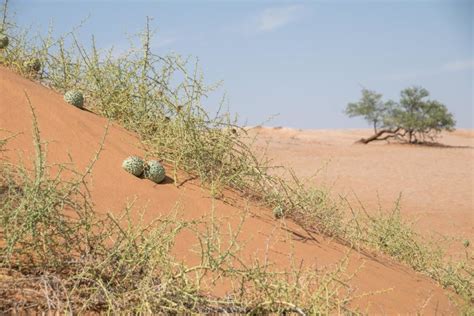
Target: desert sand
pixel 436 184
pixel 77 133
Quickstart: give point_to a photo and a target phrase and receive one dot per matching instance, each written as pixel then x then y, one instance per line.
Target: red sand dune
pixel 70 130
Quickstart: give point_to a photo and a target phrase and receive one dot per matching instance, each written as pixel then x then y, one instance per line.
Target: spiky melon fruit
pixel 154 171
pixel 3 41
pixel 278 212
pixel 75 98
pixel 133 165
pixel 32 65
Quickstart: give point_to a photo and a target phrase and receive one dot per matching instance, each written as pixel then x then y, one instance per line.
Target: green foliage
pixel 154 171
pixel 391 234
pixel 32 65
pixel 3 41
pixel 420 118
pixel 413 119
pixel 134 165
pixel 370 107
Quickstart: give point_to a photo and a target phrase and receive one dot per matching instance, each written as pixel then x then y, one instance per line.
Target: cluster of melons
pixel 152 170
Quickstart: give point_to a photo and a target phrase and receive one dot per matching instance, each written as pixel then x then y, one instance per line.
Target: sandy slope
pixel 436 183
pixel 78 133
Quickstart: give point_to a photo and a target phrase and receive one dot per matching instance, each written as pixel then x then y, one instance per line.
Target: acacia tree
pixel 370 106
pixel 414 119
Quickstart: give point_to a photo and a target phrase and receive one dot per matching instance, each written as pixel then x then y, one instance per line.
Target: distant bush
pixel 413 119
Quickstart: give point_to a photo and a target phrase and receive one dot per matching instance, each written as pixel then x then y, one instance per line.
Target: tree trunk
pixel 378 136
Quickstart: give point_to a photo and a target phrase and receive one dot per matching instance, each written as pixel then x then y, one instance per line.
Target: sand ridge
pixel 78 133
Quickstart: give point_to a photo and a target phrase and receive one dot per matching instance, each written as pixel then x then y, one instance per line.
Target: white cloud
pixel 273 18
pixel 459 65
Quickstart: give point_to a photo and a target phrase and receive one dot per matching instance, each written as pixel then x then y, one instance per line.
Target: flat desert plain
pixel 436 183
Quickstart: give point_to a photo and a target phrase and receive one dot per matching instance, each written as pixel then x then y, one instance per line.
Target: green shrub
pixel 3 41
pixel 32 65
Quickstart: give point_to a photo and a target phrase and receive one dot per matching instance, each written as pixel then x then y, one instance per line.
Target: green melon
pixel 154 171
pixel 75 98
pixel 133 165
pixel 278 212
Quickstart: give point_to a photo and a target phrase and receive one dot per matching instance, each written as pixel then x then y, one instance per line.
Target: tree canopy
pixel 370 106
pixel 413 119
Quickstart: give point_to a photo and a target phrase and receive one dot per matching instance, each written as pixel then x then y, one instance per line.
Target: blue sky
pixel 300 60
